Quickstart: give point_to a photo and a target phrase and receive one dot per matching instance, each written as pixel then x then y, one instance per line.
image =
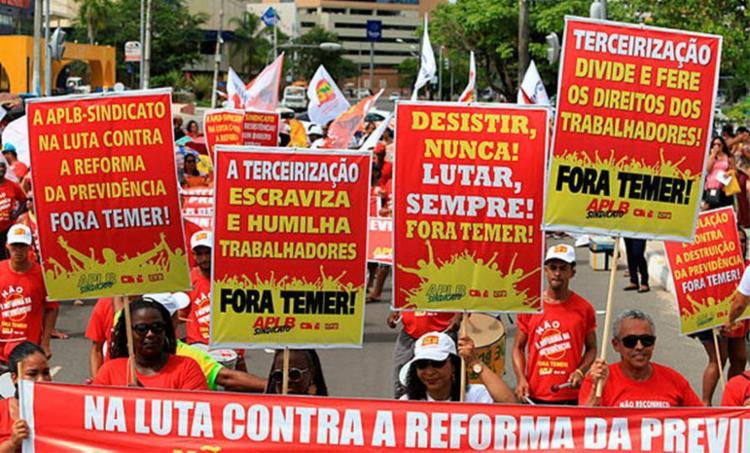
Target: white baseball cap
pixel 201 238
pixel 20 234
pixel 431 346
pixel 171 301
pixel 562 252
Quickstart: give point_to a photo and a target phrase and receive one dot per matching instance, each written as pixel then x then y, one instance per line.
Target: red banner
pixel 222 127
pixel 290 248
pixel 105 193
pixel 468 207
pixel 136 419
pixel 260 129
pixel 634 116
pixel 706 273
pixel 380 240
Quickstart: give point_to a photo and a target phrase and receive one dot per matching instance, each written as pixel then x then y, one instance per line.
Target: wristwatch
pixel 477 368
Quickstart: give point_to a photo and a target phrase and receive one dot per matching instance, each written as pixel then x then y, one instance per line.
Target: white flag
pixel 263 91
pixel 532 89
pixel 371 141
pixel 326 100
pixel 427 66
pixel 469 94
pixel 236 92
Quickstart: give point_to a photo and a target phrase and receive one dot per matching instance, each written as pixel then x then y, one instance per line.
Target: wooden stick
pixel 285 373
pixel 463 362
pixel 129 333
pixel 19 374
pixel 608 311
pixel 718 359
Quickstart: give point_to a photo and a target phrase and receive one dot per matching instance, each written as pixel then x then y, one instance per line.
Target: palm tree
pixel 93 13
pixel 252 43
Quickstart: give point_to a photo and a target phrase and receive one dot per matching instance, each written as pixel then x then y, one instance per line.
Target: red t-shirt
pixel 11 196
pixel 200 308
pixel 101 323
pixel 737 391
pixel 665 388
pixel 556 339
pixel 19 169
pixel 180 373
pixel 418 323
pixel 6 421
pixel 23 300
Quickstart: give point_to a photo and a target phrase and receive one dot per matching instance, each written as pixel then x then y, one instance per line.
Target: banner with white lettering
pixel 137 419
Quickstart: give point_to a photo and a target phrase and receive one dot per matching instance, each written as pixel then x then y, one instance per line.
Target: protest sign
pixel 223 126
pixel 634 115
pixel 198 206
pixel 138 419
pixel 380 240
pixel 260 129
pixel 706 272
pixel 468 207
pixel 105 193
pixel 290 234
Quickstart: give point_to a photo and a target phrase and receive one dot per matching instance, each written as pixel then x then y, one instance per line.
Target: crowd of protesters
pixel 553 353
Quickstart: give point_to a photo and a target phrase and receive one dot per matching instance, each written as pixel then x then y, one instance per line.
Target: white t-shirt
pixel 475 393
pixel 744 287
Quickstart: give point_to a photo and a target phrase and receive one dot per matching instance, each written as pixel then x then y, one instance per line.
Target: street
pixel 367 372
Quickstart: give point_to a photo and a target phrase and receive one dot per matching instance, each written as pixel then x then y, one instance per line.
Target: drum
pixel 226 357
pixel 488 334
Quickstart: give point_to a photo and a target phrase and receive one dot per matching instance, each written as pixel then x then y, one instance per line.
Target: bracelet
pixel 578 370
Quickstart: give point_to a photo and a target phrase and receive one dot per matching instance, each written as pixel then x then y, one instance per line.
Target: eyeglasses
pixel 423 364
pixel 295 374
pixel 631 340
pixel 190 161
pixel 143 329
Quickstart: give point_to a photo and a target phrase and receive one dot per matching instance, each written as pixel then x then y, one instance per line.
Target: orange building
pixel 16 63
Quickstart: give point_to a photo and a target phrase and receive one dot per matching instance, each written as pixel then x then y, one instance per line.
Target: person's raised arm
pixel 48 325
pixel 240 381
pixel 495 385
pixel 576 377
pixel 96 357
pixel 599 371
pixel 19 432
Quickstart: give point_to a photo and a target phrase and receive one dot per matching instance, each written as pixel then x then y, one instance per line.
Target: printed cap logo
pixel 432 339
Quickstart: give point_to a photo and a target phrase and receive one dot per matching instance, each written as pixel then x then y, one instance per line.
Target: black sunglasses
pixel 631 340
pixel 156 328
pixel 437 364
pixel 295 374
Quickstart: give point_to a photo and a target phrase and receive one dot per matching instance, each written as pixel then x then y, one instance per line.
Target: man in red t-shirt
pixel 25 313
pixel 414 325
pixel 555 347
pixel 12 204
pixel 636 381
pixel 199 310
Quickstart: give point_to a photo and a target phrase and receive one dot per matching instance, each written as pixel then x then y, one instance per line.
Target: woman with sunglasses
pixel 154 346
pixel 305 374
pixel 191 176
pixel 434 374
pixel 34 366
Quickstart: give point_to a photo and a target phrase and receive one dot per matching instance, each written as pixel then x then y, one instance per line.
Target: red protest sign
pixel 260 129
pixel 222 127
pixel 138 419
pixel 634 115
pixel 468 207
pixel 290 235
pixel 380 240
pixel 106 195
pixel 198 206
pixel 707 271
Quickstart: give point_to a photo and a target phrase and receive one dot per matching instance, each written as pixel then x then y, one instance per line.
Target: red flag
pixel 341 131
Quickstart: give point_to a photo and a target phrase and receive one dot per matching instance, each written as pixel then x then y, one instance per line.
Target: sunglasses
pixel 423 364
pixel 143 329
pixel 631 340
pixel 295 374
pixel 190 161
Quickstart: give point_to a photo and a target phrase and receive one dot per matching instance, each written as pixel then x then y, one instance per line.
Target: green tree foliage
pixel 176 33
pixel 490 28
pixel 308 59
pixel 253 44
